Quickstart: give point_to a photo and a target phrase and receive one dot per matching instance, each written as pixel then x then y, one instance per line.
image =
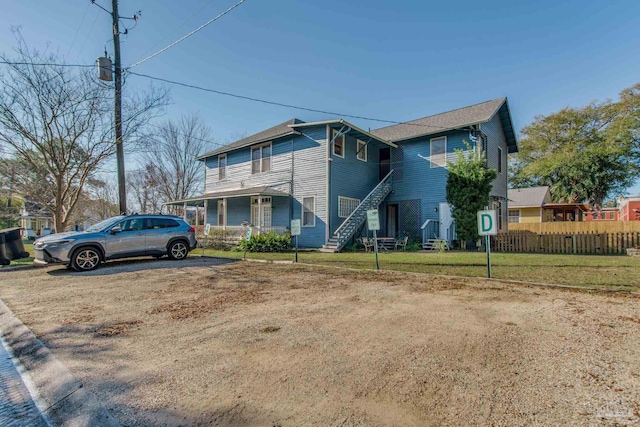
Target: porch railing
pixel 430 230
pixel 240 230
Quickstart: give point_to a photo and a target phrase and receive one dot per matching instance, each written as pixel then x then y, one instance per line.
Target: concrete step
pixel 328 251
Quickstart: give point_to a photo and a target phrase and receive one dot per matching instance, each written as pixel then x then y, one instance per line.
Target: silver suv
pixel 117 237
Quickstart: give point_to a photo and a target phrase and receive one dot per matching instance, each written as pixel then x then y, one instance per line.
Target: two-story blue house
pixel 328 173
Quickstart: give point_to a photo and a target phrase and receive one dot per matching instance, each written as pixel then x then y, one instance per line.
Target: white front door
pixel 261 212
pixel 446 219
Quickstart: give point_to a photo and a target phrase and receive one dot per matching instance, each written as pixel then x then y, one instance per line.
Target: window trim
pixel 509 210
pixel 222 172
pixel 261 158
pixel 340 198
pixel 433 164
pixel 500 155
pixel 334 139
pixel 302 211
pixel 364 150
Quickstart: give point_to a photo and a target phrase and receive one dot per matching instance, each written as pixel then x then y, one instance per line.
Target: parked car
pixel 117 237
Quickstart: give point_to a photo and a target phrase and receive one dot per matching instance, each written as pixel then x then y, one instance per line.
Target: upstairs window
pixel 261 159
pixel 499 160
pixel 361 150
pixel 438 152
pixel 222 166
pixel 338 145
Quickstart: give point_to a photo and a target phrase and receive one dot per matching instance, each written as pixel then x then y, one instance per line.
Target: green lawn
pixel 599 271
pixel 613 272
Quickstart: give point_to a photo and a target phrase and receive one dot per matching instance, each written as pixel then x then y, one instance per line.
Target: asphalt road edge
pixel 59 394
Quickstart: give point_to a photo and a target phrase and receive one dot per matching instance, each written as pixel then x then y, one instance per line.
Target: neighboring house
pixel 629 208
pixel 328 173
pixel 605 214
pixel 533 205
pixel 35 221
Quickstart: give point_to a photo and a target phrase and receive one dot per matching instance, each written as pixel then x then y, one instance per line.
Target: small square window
pixel 514 216
pixel 361 148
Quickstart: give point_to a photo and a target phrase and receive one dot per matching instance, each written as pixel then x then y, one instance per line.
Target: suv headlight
pixel 61 242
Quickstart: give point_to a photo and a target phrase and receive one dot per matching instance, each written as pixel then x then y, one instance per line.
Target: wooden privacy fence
pixel 570 227
pixel 565 243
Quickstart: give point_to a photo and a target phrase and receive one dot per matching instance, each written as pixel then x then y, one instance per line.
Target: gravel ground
pixel 210 342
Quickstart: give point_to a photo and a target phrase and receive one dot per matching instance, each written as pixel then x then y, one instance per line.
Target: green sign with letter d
pixel 487 224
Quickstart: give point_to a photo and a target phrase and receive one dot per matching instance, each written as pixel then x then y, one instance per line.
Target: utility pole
pixel 122 192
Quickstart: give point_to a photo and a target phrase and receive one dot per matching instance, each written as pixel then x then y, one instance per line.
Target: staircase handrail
pixel 426 223
pixel 362 203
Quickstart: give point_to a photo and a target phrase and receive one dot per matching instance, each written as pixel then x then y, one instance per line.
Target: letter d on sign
pixel 487 223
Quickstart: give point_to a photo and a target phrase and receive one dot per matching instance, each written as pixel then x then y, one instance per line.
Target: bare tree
pixel 56 120
pixel 102 199
pixel 171 157
pixel 144 189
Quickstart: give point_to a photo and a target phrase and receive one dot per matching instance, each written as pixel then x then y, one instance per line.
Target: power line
pixel 46 64
pixel 280 104
pixel 179 26
pixel 247 98
pixel 187 35
pixel 75 36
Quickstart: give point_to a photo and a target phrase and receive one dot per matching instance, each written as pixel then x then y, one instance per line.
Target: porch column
pixel 224 213
pixel 197 215
pixel 206 208
pixel 259 213
pixel 184 211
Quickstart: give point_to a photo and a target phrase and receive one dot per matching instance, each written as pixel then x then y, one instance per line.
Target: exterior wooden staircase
pixel 357 218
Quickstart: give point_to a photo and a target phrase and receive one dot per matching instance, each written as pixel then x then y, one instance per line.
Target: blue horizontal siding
pixel 421 181
pixel 351 177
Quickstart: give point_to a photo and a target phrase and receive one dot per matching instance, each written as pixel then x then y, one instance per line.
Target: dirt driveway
pixel 210 342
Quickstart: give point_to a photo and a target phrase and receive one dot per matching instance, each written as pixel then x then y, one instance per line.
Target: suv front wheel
pixel 178 250
pixel 85 259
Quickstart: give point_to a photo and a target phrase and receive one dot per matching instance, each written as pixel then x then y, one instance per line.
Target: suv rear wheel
pixel 85 259
pixel 178 250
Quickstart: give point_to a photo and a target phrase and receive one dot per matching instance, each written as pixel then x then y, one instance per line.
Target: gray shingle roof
pixel 277 131
pixel 462 117
pixel 528 197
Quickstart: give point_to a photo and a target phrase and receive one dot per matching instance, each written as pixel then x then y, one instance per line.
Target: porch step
pixel 328 250
pixel 435 245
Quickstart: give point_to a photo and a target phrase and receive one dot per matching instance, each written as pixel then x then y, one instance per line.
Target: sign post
pixel 207 230
pixel 373 224
pixel 487 226
pixel 295 231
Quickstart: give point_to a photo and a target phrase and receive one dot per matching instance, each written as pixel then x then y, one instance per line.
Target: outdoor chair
pixel 367 244
pixel 402 243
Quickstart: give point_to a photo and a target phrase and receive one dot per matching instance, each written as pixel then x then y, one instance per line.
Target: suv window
pixel 133 224
pixel 153 223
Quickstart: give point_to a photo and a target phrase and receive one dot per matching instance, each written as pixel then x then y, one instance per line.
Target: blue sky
pixel 376 58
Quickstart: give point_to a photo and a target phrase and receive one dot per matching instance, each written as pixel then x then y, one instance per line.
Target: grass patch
pixel 23 261
pixel 599 271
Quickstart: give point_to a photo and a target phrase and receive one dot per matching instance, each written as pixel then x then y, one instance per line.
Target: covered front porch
pixel 264 209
